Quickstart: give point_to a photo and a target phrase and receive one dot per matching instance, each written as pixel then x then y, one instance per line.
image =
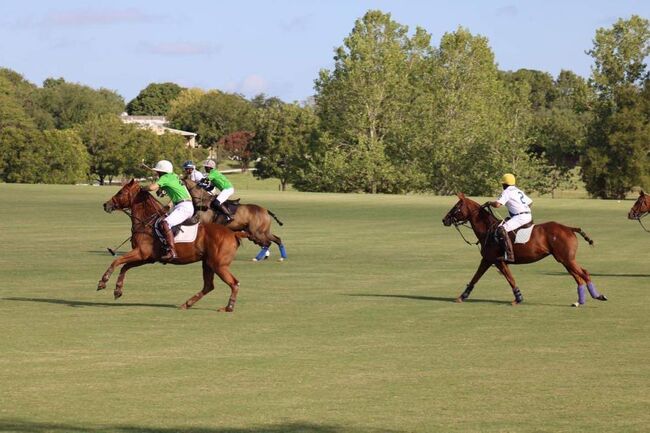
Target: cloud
pixel 91 17
pixel 253 85
pixel 296 23
pixel 508 11
pixel 181 48
pixel 250 86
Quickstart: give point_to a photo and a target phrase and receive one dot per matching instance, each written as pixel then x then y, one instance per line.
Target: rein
pixel 639 220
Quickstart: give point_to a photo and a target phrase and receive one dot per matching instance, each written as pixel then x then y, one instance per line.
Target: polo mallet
pixel 113 251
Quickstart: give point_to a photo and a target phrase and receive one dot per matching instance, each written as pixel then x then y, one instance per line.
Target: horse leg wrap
pixel 261 254
pixel 518 296
pixel 592 290
pixel 231 304
pixel 581 294
pixel 283 252
pixel 467 292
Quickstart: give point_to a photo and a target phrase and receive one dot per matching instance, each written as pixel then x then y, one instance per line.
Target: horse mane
pixel 484 212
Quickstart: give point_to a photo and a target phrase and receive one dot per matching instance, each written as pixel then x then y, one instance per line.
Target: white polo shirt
pixel 196 176
pixel 515 200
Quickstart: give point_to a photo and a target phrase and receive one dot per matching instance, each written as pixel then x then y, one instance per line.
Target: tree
pixel 66 157
pixel 72 104
pixel 239 145
pixel 103 137
pixel 26 94
pixel 616 156
pixel 363 105
pixel 154 100
pixel 211 115
pixel 285 133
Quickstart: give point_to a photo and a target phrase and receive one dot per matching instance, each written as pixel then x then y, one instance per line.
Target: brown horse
pixel 253 219
pixel 640 209
pixel 215 245
pixel 550 238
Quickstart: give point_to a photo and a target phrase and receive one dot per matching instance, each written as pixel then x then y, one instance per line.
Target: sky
pixel 275 47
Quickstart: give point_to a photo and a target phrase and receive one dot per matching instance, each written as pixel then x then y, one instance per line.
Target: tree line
pixel 395 114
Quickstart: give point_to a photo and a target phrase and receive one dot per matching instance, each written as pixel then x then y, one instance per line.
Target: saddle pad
pixel 523 235
pixel 187 234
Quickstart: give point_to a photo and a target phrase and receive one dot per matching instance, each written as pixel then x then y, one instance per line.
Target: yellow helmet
pixel 508 179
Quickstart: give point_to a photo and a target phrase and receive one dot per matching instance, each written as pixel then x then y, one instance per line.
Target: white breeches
pixel 517 221
pixel 223 195
pixel 181 212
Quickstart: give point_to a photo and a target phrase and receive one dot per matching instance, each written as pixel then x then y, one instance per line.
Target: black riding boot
pixel 506 245
pixel 225 211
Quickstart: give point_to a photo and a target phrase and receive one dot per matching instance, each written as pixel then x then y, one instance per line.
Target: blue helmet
pixel 188 164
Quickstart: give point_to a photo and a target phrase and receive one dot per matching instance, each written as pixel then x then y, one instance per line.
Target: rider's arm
pixel 151 187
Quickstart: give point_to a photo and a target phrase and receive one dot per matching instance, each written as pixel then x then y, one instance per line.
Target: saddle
pixel 522 234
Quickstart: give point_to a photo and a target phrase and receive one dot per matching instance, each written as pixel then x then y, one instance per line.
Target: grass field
pixel 356 332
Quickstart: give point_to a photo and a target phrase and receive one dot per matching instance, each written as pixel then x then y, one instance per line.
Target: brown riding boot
pixel 506 245
pixel 169 238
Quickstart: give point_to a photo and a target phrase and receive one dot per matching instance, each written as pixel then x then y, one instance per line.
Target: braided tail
pixel 276 218
pixel 583 234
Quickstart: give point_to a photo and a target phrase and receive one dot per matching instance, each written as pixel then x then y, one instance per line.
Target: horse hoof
pixel 516 302
pixel 281 259
pixel 254 260
pixel 117 295
pixel 459 300
pixel 602 298
pixel 184 306
pixel 225 310
pixel 575 304
pixel 101 286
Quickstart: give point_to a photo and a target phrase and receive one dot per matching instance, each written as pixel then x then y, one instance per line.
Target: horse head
pixel 124 198
pixel 641 206
pixel 460 213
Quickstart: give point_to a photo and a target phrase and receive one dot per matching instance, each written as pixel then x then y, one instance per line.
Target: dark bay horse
pixel 549 238
pixel 640 209
pixel 215 246
pixel 253 219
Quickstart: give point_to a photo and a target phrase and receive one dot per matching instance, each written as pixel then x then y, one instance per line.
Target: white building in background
pixel 157 125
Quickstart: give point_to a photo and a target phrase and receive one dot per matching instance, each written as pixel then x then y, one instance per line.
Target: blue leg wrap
pixel 581 294
pixel 283 252
pixel 261 254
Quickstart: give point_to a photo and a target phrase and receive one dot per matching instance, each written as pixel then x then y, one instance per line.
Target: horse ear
pixel 641 193
pixel 460 195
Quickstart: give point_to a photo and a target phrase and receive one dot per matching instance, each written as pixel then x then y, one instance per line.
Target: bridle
pixel 148 222
pixel 456 223
pixel 640 216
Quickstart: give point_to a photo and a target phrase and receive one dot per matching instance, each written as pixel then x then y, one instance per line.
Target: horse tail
pixel 276 218
pixel 583 234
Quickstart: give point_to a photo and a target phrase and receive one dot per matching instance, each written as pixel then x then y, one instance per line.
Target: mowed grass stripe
pixel 356 332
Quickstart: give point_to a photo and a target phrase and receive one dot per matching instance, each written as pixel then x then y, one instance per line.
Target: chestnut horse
pixel 550 238
pixel 215 245
pixel 251 218
pixel 640 209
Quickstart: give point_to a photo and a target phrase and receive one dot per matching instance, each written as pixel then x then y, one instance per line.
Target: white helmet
pixel 164 166
pixel 208 163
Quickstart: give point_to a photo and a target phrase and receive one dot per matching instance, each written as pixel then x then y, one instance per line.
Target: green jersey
pixel 173 187
pixel 219 180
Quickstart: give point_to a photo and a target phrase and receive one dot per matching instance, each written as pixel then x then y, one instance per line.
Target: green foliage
pixel 116 148
pixel 66 157
pixel 154 100
pixel 26 95
pixel 285 134
pixel 363 105
pixel 211 115
pixel 71 104
pixel 617 156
